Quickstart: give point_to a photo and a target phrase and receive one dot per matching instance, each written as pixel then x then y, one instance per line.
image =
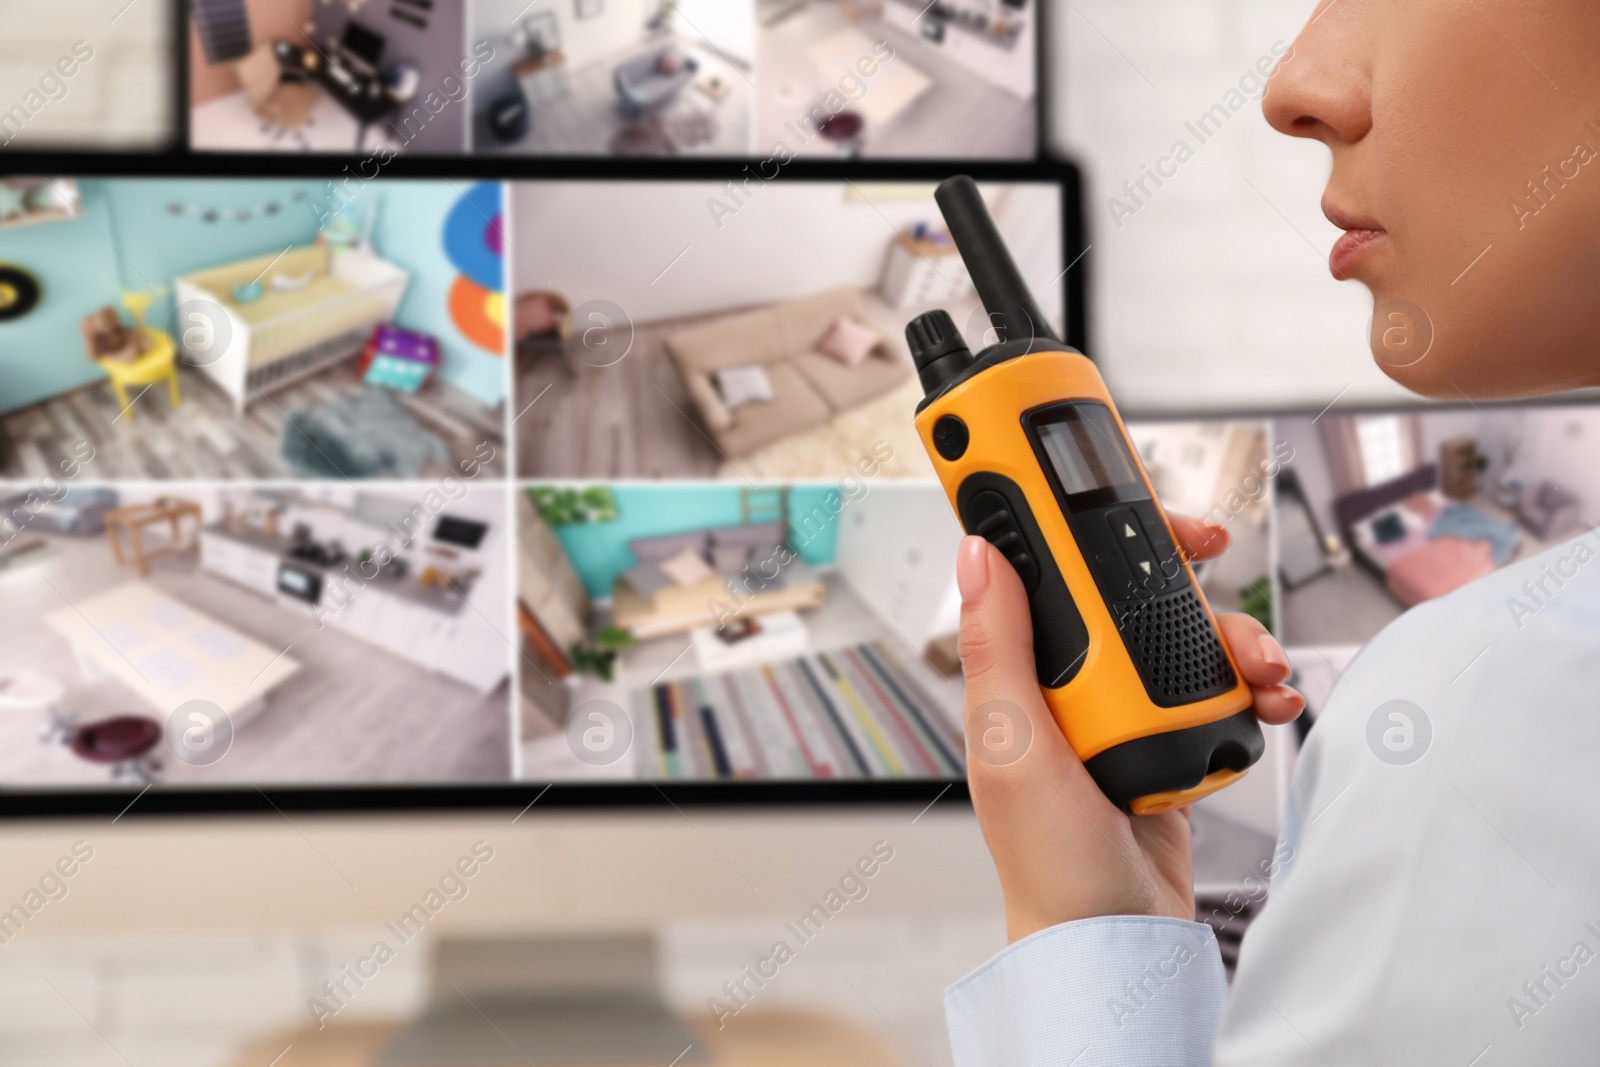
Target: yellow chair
pixel 159 363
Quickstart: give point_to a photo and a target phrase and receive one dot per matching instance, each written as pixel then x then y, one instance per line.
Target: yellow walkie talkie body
pixel 1034 458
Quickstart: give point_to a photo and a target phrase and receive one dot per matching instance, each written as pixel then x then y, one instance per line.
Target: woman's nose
pixel 1322 88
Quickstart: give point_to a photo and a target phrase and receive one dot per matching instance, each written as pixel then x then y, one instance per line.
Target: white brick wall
pixel 121 97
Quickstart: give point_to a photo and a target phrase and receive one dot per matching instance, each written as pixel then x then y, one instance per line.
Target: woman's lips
pixel 1360 234
pixel 1350 248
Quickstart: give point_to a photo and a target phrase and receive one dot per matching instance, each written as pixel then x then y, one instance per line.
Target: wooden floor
pixel 632 419
pixel 203 438
pixel 353 713
pixel 587 118
pixel 959 116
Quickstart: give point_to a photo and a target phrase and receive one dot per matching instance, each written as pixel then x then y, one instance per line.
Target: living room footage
pixel 741 631
pixel 742 330
pixel 641 78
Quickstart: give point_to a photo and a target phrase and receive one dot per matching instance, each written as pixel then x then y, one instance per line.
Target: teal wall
pixel 154 246
pixel 41 354
pixel 599 551
pixel 128 239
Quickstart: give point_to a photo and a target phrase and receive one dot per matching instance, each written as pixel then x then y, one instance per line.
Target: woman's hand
pixel 1063 850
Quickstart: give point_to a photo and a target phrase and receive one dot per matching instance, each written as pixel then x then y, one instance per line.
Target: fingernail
pixel 972 568
pixel 1291 694
pixel 1273 652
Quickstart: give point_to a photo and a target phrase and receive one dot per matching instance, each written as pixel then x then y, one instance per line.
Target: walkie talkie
pixel 1036 460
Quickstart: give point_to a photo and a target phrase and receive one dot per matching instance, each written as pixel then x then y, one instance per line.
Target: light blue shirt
pixel 1438 896
pixel 1122 991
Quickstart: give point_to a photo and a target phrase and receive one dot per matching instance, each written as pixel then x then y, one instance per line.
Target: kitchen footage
pixel 224 634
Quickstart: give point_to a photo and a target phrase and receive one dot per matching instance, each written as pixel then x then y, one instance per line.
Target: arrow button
pixel 1129 532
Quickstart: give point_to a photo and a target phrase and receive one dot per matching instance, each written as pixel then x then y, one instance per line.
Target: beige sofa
pixel 808 387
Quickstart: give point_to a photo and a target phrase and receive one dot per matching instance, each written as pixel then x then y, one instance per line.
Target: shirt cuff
pixel 1104 992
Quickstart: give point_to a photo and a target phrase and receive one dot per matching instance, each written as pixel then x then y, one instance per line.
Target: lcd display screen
pixel 1088 453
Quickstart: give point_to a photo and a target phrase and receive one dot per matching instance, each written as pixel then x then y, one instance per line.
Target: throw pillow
pixel 668 63
pixel 646 578
pixel 686 568
pixel 1422 504
pixel 848 341
pixel 743 385
pixel 1388 528
pixel 289 283
pixel 729 559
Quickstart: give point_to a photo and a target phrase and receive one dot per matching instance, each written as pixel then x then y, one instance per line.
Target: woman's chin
pixel 1428 381
pixel 1466 373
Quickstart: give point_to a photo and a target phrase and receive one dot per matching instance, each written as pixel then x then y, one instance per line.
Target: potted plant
pixel 600 657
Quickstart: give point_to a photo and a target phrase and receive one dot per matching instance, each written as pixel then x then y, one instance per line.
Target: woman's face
pixel 1466 171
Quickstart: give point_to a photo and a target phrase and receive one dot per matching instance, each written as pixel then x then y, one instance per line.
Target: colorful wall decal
pixel 476 246
pixel 19 292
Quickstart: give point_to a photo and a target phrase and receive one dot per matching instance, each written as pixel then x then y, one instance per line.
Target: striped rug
pixel 850 713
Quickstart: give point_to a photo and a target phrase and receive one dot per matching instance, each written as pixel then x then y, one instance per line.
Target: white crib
pixel 250 348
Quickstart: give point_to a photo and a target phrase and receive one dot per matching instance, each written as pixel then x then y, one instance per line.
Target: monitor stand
pixel 508 1002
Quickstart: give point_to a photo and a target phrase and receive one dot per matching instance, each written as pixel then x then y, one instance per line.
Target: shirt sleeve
pixel 1104 992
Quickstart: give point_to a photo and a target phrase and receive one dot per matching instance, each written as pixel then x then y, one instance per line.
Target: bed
pixel 1420 543
pixel 314 307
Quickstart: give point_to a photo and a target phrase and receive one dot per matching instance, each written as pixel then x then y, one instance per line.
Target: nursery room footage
pixel 298 633
pixel 743 330
pixel 736 631
pixel 251 329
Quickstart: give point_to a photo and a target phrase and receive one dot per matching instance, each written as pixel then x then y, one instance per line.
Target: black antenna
pixel 1005 296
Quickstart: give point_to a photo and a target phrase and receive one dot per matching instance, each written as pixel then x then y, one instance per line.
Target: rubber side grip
pixel 1176 759
pixel 1060 637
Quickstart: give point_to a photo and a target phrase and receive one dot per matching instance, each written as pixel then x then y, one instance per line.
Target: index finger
pixel 1199 539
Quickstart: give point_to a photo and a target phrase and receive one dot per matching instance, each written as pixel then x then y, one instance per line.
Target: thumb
pixel 1005 712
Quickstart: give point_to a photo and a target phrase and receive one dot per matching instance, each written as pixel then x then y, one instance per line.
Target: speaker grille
pixel 1175 648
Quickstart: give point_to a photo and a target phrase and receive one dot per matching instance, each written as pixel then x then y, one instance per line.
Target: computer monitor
pixel 339 596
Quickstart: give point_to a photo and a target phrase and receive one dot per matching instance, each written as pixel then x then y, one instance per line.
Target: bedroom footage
pixel 1380 512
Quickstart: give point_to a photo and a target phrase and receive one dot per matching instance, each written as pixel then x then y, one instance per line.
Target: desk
pixel 135 517
pixel 765 1039
pixel 168 653
pixel 364 96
